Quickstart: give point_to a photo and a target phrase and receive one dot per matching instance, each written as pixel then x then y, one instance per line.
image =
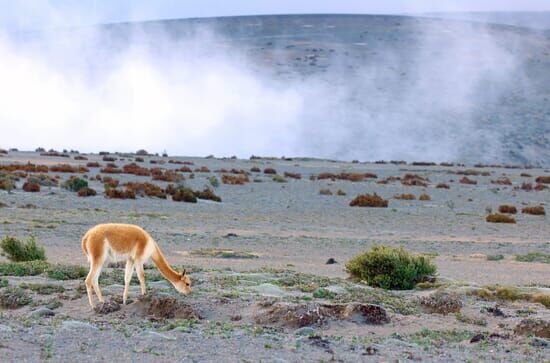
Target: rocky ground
pixel 263 290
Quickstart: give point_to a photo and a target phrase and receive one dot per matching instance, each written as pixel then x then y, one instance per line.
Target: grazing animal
pixel 130 242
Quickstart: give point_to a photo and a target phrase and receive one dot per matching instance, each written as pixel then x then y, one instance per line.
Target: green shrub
pixel 321 293
pixel 534 257
pixel 495 257
pixel 43 289
pixel 14 297
pixel 18 251
pixel 28 268
pixel 67 272
pixel 390 268
pixel 214 181
pixel 75 184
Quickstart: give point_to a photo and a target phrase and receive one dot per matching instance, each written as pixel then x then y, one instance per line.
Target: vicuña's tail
pixel 84 249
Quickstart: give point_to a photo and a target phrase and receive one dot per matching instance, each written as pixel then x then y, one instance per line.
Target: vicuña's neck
pixel 163 266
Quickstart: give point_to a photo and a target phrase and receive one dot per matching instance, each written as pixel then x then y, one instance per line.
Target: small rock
pixel 477 338
pixel 41 312
pixel 306 330
pixel 331 261
pixel 370 350
pixel 230 235
pixel 539 342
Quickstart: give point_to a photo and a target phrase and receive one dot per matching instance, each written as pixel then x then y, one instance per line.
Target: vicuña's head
pixel 183 285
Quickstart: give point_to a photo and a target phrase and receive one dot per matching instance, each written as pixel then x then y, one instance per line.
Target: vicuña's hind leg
pixel 141 277
pixel 127 278
pixel 92 282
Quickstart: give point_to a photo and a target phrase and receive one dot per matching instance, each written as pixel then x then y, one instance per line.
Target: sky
pixel 37 14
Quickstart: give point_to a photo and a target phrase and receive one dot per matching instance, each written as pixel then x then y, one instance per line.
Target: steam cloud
pixel 197 96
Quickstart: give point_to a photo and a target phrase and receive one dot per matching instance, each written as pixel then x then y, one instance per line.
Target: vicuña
pixel 130 242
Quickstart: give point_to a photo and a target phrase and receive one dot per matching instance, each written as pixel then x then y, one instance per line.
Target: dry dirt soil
pixel 263 290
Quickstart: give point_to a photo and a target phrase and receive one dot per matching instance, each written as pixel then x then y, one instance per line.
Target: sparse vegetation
pixel 466 180
pixel 424 197
pixel 31 187
pixel 184 195
pixel 495 257
pixel 234 179
pixel 288 174
pixel 442 303
pixel 270 171
pixel 17 251
pixel 14 297
pixel 86 192
pixel 213 180
pixel 506 208
pixel 534 257
pixel 537 211
pixel 368 200
pixel 325 191
pixel 442 186
pixel 405 197
pixel 390 268
pixel 113 193
pixel 74 184
pixel 499 218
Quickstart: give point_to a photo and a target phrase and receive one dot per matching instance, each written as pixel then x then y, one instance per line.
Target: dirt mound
pixel 536 327
pixel 107 307
pixel 301 315
pixel 164 307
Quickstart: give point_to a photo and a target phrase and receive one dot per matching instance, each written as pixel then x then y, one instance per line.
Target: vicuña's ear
pixel 183 273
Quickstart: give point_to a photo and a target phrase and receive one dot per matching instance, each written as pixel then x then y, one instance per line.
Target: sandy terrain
pixel 294 230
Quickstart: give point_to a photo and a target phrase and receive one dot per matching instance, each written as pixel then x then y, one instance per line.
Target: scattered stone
pixel 306 330
pixel 41 312
pixel 370 350
pixel 331 261
pixel 539 342
pixel 302 315
pixel 477 338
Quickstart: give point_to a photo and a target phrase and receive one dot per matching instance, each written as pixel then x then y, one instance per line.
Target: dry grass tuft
pixel 325 191
pixel 146 189
pixel 405 197
pixel 543 179
pixel 111 170
pixel 166 175
pixel 270 171
pixel 235 179
pixel 184 195
pixel 414 180
pixel 443 186
pixel 31 187
pixel 135 169
pixel 86 192
pixel 288 174
pixel 368 200
pixel 424 197
pixel 113 193
pixel 341 192
pixel 499 218
pixel 93 164
pixel 110 182
pixel 80 157
pixel 537 211
pixel 502 181
pixel 66 168
pixel 506 208
pixel 466 180
pixel 255 169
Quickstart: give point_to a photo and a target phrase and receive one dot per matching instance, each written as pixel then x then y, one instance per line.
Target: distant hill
pixel 534 20
pixel 387 87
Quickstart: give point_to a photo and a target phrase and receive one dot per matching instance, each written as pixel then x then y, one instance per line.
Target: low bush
pixel 543 179
pixel 368 200
pixel 113 193
pixel 414 180
pixel 86 192
pixel 424 197
pixel 466 180
pixel 405 197
pixel 270 171
pixel 325 191
pixel 443 186
pixel 340 192
pixel 80 157
pixel 43 180
pixel 66 168
pixel 17 251
pixel 31 187
pixel 213 180
pixel 537 211
pixel 208 194
pixel 28 268
pixel 495 257
pixel 288 174
pixel 66 272
pixel 499 218
pixel 109 158
pixel 502 181
pixel 506 208
pixel 167 176
pixel 146 189
pixel 74 184
pixel 184 195
pixel 534 257
pixel 442 303
pixel 14 297
pixel 390 268
pixel 110 182
pixel 255 169
pixel 234 179
pixel 93 164
pixel 279 178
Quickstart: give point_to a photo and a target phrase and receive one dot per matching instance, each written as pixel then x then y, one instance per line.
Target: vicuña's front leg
pixel 127 278
pixel 141 277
